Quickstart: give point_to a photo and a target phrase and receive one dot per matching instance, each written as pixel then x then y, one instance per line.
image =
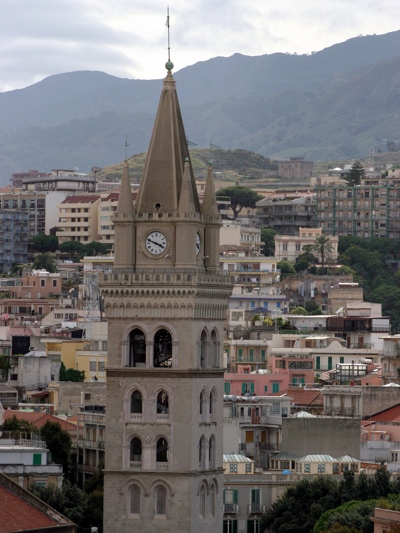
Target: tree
pixel 323 247
pixel 285 267
pixel 19 425
pixel 71 374
pixel 298 311
pixel 239 197
pixel 44 243
pixel 75 248
pixel 268 238
pixel 96 248
pixel 45 261
pixel 391 146
pixel 355 174
pixel 59 443
pixel 312 308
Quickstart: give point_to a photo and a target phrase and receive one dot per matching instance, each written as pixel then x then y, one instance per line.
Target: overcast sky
pixel 128 38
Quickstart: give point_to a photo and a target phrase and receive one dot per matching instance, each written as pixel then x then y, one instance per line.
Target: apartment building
pixel 286 213
pixel 291 246
pixel 107 208
pixel 371 209
pixel 235 236
pixel 78 219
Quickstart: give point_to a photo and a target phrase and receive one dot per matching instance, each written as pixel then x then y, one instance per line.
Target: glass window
pixel 162 403
pixel 161 500
pixel 136 402
pixel 93 366
pixel 136 449
pixel 202 502
pixel 162 451
pixel 233 468
pixel 203 349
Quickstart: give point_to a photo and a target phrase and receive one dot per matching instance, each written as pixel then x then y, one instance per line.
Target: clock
pixel 198 243
pixel 156 243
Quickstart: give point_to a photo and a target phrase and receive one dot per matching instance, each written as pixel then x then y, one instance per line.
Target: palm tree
pixel 322 247
pixel 45 261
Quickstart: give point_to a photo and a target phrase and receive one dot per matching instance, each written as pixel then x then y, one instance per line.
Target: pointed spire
pixel 210 207
pixel 125 203
pixel 187 198
pixel 162 177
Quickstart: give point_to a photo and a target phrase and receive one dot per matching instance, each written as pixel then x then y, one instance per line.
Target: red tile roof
pixel 88 198
pixel 302 396
pixel 39 419
pixel 392 414
pixel 18 515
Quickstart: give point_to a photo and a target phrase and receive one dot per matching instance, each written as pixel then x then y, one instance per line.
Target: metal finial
pixel 126 148
pixel 168 65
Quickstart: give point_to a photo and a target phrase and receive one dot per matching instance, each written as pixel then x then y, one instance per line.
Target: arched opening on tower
pixel 136 402
pixel 162 451
pixel 137 348
pixel 214 350
pixel 162 403
pixel 136 450
pixel 203 349
pixel 162 349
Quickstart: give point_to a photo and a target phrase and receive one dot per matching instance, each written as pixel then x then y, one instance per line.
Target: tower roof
pixel 164 171
pixel 125 204
pixel 210 207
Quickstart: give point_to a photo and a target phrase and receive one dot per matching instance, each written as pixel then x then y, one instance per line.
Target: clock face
pixel 198 243
pixel 156 243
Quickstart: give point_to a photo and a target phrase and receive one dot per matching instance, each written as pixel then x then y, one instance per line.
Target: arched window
pixel 203 349
pixel 202 502
pixel 202 453
pixel 212 500
pixel 202 405
pixel 162 403
pixel 211 407
pixel 160 500
pixel 136 450
pixel 162 349
pixel 137 348
pixel 162 451
pixel 134 499
pixel 136 402
pixel 214 350
pixel 211 453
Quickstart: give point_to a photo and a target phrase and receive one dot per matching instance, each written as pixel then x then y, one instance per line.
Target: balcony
pixel 256 508
pixel 232 508
pixel 90 444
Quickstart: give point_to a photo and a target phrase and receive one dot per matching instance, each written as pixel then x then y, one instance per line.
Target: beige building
pixel 244 239
pixel 166 303
pixel 78 219
pixel 291 246
pixel 295 167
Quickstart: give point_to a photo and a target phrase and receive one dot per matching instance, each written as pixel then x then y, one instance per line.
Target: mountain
pixel 332 104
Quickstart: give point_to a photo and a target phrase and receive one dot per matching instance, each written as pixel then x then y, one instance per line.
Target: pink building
pixel 38 284
pixel 281 372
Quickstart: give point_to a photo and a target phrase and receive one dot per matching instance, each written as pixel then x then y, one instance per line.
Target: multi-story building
pixel 22 216
pixel 107 208
pixel 38 284
pixel 291 246
pixel 286 213
pixel 371 209
pixel 296 167
pixel 245 239
pixel 166 303
pixel 91 426
pixel 78 219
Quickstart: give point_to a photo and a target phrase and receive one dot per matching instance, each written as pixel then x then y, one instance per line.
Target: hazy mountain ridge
pixel 332 104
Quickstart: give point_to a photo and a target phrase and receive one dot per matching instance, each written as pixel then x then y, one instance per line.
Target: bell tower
pixel 166 305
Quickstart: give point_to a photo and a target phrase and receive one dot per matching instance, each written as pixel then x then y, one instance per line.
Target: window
pixel 203 349
pixel 247 388
pixel 202 502
pixel 275 387
pixel 214 350
pixel 134 498
pixel 298 248
pixel 329 363
pixel 233 468
pixel 136 450
pixel 341 360
pixel 284 247
pixel 160 501
pixel 137 348
pixel 307 468
pixel 230 526
pixel 162 403
pixel 93 366
pixel 37 459
pixel 42 282
pixel 162 451
pixel 251 355
pixel 318 362
pixel 255 500
pixel 248 468
pixel 227 388
pixel 211 407
pixel 262 355
pixel 211 453
pixel 162 349
pixel 240 354
pixel 101 366
pixel 54 283
pixel 321 468
pixel 202 458
pixel 212 500
pixel 202 403
pixel 253 526
pixel 136 402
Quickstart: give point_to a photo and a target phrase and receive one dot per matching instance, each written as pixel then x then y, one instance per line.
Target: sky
pixel 128 38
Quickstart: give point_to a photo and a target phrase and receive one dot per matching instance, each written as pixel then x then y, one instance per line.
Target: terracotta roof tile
pixel 302 396
pixel 16 514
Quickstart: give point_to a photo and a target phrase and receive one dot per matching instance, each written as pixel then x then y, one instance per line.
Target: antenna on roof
pixel 126 148
pixel 168 65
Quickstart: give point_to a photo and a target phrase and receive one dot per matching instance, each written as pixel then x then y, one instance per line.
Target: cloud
pixel 44 37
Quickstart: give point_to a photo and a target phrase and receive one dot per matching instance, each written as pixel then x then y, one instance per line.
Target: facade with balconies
pixel 286 213
pixel 90 443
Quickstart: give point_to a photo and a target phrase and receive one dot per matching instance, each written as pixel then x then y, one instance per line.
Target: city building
pixel 166 304
pixel 78 219
pixel 291 246
pixel 287 212
pixel 295 167
pixel 371 209
pixel 244 240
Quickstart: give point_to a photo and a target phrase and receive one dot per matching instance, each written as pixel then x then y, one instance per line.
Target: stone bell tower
pixel 166 305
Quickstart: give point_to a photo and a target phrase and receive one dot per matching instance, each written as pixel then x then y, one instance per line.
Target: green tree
pixel 59 443
pixel 323 247
pixel 312 308
pixel 96 248
pixel 239 197
pixel 391 146
pixel 19 425
pixel 44 243
pixel 298 311
pixel 285 267
pixel 75 249
pixel 268 237
pixel 355 174
pixel 71 374
pixel 45 261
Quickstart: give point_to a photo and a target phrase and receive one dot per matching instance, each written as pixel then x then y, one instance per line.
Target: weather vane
pixel 168 65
